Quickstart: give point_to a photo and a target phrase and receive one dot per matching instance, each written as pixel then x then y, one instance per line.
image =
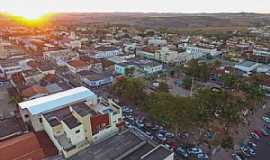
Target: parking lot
pixel 160 135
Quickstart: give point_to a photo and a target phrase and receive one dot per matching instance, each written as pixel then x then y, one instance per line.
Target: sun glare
pixel 30 15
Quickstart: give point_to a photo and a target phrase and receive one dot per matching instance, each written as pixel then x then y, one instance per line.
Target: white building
pixel 264 53
pixel 157 41
pixel 73 119
pixel 247 66
pixel 202 51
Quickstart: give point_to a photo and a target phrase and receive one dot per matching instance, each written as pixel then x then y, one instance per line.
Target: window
pixel 78 131
pixel 26 116
pixel 40 120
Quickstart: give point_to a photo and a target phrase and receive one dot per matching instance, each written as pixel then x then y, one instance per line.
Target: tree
pixel 163 87
pixel 227 142
pixel 130 71
pixel 130 90
pixel 187 82
pixel 229 81
pixel 199 71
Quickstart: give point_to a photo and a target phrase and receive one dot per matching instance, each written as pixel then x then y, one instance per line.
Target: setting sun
pixel 30 15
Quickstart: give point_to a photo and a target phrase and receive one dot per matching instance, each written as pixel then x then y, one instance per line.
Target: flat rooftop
pixel 109 149
pixel 82 109
pixel 54 101
pixel 124 146
pixel 247 64
pixel 11 127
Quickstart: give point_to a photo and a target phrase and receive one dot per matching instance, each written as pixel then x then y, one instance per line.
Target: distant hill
pixel 168 20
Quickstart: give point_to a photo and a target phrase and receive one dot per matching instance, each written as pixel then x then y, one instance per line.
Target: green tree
pixel 227 142
pixel 130 71
pixel 199 71
pixel 163 87
pixel 187 82
pixel 229 81
pixel 130 90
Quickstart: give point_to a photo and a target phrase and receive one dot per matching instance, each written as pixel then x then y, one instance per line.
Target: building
pixel 60 57
pixel 246 66
pixel 128 145
pixel 93 79
pixel 261 52
pixel 77 66
pixel 165 55
pixel 157 41
pixel 73 119
pixel 202 51
pixel 139 65
pixel 106 52
pixel 121 68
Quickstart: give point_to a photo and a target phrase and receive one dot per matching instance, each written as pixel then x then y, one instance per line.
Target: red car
pixel 259 133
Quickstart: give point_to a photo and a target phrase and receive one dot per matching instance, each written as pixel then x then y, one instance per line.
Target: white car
pixel 195 150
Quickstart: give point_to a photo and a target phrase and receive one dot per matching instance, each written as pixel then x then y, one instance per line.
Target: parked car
pixel 161 137
pixel 266 119
pixel 202 156
pixel 258 132
pixel 182 152
pixel 254 135
pixel 237 156
pixel 195 150
pixel 252 145
pixel 169 135
pixel 265 132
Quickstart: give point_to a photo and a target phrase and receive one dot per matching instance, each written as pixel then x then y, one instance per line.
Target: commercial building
pixel 73 119
pixel 246 66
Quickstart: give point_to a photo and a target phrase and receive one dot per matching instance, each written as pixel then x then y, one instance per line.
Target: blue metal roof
pixel 58 100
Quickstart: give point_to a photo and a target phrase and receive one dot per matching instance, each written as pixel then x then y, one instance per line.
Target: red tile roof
pixel 34 90
pixel 24 147
pixel 78 63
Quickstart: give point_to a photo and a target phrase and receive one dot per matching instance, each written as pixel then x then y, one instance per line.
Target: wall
pixel 86 124
pixel 74 137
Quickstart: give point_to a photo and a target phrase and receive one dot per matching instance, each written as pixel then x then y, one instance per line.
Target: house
pixel 34 92
pixel 152 67
pixel 106 52
pixel 23 147
pixel 157 41
pixel 46 68
pixel 60 57
pixel 93 79
pixel 121 67
pixel 165 55
pixel 77 66
pixel 73 119
pixel 32 76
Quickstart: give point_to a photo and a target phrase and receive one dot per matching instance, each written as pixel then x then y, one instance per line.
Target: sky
pixel 35 7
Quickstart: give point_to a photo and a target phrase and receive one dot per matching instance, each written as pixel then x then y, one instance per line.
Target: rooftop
pixel 82 109
pixel 71 121
pixel 110 148
pixel 11 127
pixel 124 146
pixel 57 100
pixel 94 76
pixel 247 63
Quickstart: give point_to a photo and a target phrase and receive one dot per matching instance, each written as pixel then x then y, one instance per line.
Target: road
pixel 263 151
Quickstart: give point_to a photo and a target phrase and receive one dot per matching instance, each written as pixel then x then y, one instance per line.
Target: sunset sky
pixel 36 7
